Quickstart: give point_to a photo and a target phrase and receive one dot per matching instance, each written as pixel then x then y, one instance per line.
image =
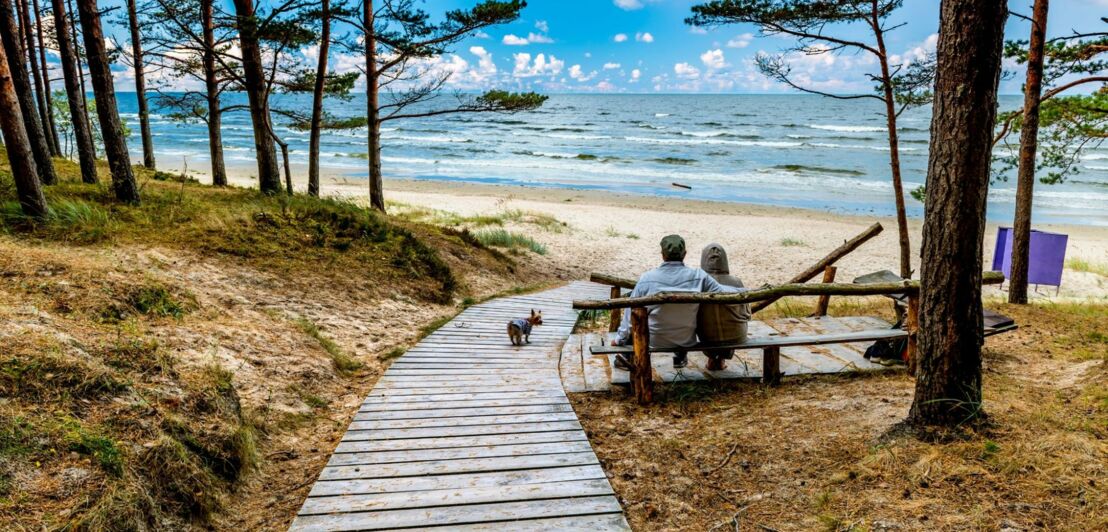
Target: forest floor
pixel 824 453
pixel 191 362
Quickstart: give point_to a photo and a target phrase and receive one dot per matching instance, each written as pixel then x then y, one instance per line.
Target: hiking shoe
pixel 680 360
pixel 622 363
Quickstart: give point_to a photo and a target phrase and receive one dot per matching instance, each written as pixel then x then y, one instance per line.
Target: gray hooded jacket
pixel 721 323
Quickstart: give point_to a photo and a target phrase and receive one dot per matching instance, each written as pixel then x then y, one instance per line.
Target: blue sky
pixel 644 46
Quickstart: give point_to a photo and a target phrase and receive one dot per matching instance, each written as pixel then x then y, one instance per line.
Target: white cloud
pixel 620 37
pixel 537 38
pixel 531 38
pixel 605 86
pixel 628 5
pixel 525 68
pixel 588 54
pixel 685 70
pixel 542 26
pixel 644 37
pixel 697 30
pixel 486 68
pixel 481 35
pixel 576 73
pixel 611 66
pixel 740 41
pixel 635 75
pixel 713 59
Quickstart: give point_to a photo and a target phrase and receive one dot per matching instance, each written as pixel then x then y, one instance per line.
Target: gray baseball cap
pixel 673 247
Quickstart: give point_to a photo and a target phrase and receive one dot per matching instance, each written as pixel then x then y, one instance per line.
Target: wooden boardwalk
pixel 466 432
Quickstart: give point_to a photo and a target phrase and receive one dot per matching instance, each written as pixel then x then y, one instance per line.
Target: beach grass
pixel 789 242
pixel 1086 266
pixel 507 239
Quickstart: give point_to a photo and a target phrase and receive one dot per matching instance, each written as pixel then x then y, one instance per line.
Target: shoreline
pixel 617 232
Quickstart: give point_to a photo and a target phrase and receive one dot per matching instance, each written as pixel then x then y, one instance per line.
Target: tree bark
pixel 10 35
pixel 373 112
pixel 36 77
pixel 317 101
pixel 894 150
pixel 82 136
pixel 73 23
pixel 948 382
pixel 140 87
pixel 269 177
pixel 1029 143
pixel 642 372
pixel 51 125
pixel 111 130
pixel 211 87
pixel 20 156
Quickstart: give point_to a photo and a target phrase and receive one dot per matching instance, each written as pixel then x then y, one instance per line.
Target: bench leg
pixel 771 365
pixel 616 314
pixel 642 374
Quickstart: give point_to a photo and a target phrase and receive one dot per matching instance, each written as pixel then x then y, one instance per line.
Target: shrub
pixel 510 240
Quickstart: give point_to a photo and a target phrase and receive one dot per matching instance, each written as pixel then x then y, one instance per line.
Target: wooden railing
pixel 641 372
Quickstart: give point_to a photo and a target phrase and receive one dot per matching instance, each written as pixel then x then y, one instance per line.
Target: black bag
pixel 889 349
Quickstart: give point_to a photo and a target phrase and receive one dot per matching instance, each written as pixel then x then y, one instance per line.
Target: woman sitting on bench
pixel 720 324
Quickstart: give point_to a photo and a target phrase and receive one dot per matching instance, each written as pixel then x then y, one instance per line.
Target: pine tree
pixel 18 146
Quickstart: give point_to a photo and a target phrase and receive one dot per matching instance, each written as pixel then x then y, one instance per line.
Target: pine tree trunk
pixel 73 24
pixel 894 154
pixel 36 76
pixel 211 85
pixel 52 127
pixel 1029 143
pixel 373 112
pixel 317 101
pixel 111 130
pixel 948 381
pixel 12 41
pixel 82 136
pixel 269 177
pixel 140 87
pixel 20 156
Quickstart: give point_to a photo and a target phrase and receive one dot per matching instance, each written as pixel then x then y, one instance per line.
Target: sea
pixel 801 151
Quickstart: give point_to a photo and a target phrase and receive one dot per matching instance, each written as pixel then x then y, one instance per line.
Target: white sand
pixel 619 233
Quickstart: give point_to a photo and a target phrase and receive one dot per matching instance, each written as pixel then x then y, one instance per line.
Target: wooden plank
pixel 454 497
pixel 446 406
pixel 570 366
pixel 849 352
pixel 460 441
pixel 788 341
pixel 597 368
pixel 458 515
pixel 465 421
pixel 378 399
pixel 612 521
pixel 450 467
pixel 460 453
pixel 409 382
pixel 378 392
pixel 447 413
pixel 471 430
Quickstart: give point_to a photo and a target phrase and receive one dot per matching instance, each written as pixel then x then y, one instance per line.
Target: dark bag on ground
pixel 889 349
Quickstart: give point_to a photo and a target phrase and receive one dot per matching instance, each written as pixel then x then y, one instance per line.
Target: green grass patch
pixel 1082 265
pixel 791 242
pixel 510 240
pixel 343 363
pixel 392 354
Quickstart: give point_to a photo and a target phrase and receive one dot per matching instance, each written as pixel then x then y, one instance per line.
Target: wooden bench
pixel 770 346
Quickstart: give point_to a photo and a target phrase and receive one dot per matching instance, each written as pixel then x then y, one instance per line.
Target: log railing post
pixel 616 313
pixel 771 365
pixel 913 329
pixel 642 374
pixel 825 300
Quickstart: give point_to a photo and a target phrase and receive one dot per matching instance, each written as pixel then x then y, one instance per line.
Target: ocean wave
pixel 817 169
pixel 644 125
pixel 850 129
pixel 760 143
pixel 853 146
pixel 578 137
pixel 1094 156
pixel 722 134
pixel 661 115
pixel 801 137
pixel 431 139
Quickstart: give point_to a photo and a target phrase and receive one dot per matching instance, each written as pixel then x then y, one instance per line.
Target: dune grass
pixel 343 362
pixel 511 240
pixel 1082 265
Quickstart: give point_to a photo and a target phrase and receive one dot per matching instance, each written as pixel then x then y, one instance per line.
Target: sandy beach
pixel 618 233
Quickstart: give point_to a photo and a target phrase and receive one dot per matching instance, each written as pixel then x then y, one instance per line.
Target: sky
pixel 644 46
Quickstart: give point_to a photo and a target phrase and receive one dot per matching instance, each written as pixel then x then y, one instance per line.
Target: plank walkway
pixel 582 371
pixel 466 432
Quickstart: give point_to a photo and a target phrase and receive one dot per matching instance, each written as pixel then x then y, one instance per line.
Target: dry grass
pixel 818 454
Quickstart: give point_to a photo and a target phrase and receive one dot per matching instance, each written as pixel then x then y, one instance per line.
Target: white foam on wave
pixel 854 146
pixel 576 137
pixel 660 115
pixel 759 143
pixel 429 138
pixel 847 129
pixel 1094 156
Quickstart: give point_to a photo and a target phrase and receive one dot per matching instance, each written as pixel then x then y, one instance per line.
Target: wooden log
pixel 771 365
pixel 616 314
pixel 838 253
pixel 913 330
pixel 825 300
pixel 642 374
pixel 772 292
pixel 612 280
pixel 681 185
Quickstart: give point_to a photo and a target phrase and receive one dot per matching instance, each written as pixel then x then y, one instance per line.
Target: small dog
pixel 519 330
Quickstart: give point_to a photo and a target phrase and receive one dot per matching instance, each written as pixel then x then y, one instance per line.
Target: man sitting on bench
pixel 670 325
